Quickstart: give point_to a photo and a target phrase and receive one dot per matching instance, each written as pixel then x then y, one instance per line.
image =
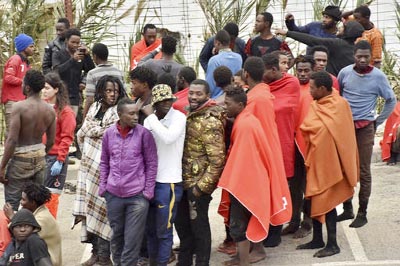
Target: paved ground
pixel 377 243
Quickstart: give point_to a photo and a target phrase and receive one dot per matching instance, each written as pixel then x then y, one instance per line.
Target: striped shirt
pixel 95 74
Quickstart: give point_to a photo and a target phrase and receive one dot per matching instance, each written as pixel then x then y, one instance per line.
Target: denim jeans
pixel 162 213
pixel 127 217
pixel 193 227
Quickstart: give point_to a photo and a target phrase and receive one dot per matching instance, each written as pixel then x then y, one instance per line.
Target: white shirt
pixel 169 134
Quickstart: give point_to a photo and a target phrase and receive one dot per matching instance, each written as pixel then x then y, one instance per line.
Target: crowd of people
pixel 284 149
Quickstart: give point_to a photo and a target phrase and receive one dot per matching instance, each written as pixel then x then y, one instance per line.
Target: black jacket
pixel 72 72
pixel 51 48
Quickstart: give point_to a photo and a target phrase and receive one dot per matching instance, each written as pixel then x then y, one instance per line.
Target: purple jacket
pixel 128 166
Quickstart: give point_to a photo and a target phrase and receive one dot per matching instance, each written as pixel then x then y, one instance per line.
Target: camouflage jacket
pixel 204 150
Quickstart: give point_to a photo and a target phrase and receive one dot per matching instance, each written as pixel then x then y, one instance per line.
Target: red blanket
pixel 275 208
pixel 140 49
pixel 301 113
pixel 389 135
pixel 331 155
pixel 287 93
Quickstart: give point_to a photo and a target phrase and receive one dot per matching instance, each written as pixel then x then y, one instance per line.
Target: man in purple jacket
pixel 128 169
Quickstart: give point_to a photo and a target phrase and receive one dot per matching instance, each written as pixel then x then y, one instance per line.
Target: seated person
pixel 26 248
pixel 34 197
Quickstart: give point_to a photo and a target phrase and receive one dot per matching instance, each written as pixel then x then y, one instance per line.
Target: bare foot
pixel 302 232
pixel 257 253
pixel 232 262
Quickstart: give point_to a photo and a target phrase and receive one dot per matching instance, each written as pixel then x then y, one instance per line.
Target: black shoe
pixel 360 220
pixel 346 215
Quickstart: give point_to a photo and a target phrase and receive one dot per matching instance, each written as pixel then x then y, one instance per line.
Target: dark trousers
pixel 162 214
pixel 127 218
pixel 297 186
pixel 193 228
pixel 365 143
pixel 100 246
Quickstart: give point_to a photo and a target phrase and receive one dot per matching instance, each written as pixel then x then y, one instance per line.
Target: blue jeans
pixel 127 217
pixel 162 212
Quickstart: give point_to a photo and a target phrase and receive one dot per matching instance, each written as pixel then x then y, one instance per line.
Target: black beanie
pixel 25 216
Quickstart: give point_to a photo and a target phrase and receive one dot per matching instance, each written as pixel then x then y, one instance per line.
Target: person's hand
pixel 147 109
pixel 158 49
pixel 280 32
pixel 289 16
pixel 196 192
pixel 82 86
pixel 56 168
pixel 83 49
pixel 8 210
pixel 3 178
pixel 78 56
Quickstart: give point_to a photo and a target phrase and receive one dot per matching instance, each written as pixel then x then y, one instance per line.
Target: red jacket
pixel 65 127
pixel 14 72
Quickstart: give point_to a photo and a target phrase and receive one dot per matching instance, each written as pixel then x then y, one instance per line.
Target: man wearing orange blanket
pixel 331 160
pixel 249 216
pixel 149 43
pixel 286 90
pixel 266 174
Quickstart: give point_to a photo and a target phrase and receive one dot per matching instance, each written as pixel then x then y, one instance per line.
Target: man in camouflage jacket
pixel 203 162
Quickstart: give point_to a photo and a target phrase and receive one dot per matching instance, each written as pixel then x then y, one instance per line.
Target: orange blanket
pixel 259 104
pixel 331 155
pixel 287 93
pixel 301 113
pixel 140 49
pixel 389 135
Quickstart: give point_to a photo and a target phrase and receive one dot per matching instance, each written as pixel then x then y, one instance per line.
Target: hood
pixel 352 30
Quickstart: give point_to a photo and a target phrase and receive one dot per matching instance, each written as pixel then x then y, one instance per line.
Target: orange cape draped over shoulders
pixel 390 132
pixel 287 93
pixel 259 104
pixel 140 49
pixel 331 156
pixel 302 111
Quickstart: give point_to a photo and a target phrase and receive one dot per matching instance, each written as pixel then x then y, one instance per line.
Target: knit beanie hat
pixel 24 216
pixel 22 41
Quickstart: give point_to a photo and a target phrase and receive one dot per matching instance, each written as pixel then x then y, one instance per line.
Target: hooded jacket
pixel 340 49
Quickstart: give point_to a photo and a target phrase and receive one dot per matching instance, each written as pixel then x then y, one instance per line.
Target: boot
pixel 348 212
pixel 331 247
pixel 274 236
pixel 360 220
pixel 91 261
pixel 317 240
pixel 104 261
